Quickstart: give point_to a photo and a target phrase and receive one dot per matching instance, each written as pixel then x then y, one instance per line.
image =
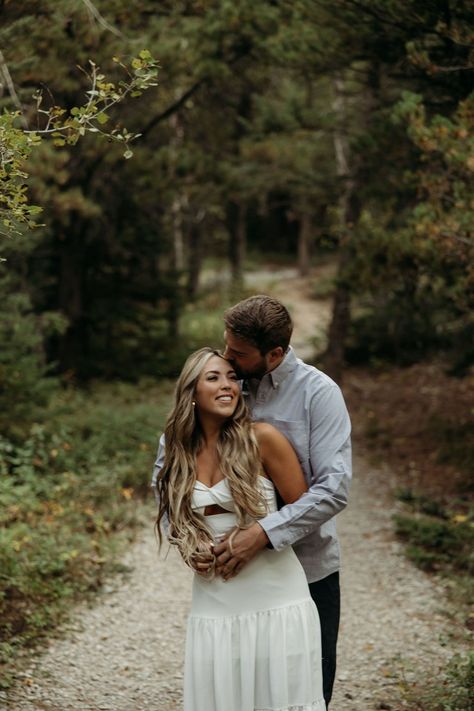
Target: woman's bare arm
pixel 283 468
pixel 280 462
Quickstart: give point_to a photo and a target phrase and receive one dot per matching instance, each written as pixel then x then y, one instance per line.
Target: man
pixel 308 408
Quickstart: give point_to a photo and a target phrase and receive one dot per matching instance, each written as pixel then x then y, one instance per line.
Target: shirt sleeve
pixel 331 472
pixel 160 458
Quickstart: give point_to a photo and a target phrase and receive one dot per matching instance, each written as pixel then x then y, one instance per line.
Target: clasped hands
pixel 236 548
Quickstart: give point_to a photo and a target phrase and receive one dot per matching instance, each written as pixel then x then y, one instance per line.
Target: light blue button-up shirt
pixel 308 408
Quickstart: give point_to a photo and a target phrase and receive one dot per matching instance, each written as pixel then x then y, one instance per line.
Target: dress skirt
pixel 253 642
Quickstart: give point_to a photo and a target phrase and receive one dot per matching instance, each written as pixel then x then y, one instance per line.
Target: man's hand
pixel 246 543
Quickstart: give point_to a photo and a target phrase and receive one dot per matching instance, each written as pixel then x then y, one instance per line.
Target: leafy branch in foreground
pixel 65 128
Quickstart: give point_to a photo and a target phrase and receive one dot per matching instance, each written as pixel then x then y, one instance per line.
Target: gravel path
pixel 125 653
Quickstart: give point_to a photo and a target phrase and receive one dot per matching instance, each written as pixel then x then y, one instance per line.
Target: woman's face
pixel 217 389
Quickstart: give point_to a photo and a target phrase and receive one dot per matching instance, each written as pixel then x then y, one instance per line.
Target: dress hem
pixel 254 613
pixel 315 706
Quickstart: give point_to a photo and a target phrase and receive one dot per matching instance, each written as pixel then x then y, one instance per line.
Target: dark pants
pixel 327 596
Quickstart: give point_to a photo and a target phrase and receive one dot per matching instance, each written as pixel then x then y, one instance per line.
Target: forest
pixel 153 155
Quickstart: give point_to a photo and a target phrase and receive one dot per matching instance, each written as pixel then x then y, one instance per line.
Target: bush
pixel 25 382
pixel 438 537
pixel 455 692
pixel 455 445
pixel 398 327
pixel 69 496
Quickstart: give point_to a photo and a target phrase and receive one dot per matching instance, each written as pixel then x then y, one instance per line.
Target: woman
pixel 253 642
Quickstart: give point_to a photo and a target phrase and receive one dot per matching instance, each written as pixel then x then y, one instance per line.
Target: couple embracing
pixel 257 464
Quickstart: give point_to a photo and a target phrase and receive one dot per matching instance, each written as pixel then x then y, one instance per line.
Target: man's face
pixel 246 358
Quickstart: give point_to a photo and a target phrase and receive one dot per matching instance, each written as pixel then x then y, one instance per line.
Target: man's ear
pixel 275 355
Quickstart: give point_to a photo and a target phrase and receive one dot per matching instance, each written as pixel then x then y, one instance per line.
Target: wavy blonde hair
pixel 238 456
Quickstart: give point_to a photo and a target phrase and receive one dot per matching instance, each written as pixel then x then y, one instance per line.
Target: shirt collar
pixel 276 376
pixel 288 364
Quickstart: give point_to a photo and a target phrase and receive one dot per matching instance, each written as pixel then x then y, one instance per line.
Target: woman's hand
pixel 203 563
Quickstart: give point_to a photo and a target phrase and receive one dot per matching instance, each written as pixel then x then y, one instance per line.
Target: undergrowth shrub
pixel 69 496
pixel 454 691
pixel 440 538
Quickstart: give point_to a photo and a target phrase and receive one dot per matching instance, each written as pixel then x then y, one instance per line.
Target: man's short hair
pixel 262 321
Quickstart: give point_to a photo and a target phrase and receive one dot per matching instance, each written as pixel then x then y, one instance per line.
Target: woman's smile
pixel 217 388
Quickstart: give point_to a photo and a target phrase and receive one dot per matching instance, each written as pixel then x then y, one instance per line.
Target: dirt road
pixel 125 653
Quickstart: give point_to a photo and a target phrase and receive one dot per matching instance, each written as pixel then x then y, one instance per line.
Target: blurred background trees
pixel 334 137
pixel 285 130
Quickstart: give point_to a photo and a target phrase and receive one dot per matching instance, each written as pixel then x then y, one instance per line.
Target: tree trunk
pixel 174 303
pixel 71 300
pixel 194 261
pixel 304 243
pixel 178 234
pixel 179 201
pixel 237 228
pixel 349 212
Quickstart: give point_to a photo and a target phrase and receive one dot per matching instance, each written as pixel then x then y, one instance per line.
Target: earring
pixel 194 404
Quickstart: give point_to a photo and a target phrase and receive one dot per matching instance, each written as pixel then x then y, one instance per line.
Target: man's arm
pixel 330 460
pixel 331 466
pixel 160 458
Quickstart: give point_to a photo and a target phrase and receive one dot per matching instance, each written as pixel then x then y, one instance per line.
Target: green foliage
pixel 241 140
pixel 15 148
pixel 456 446
pixel 69 496
pixel 65 128
pixel 454 691
pixel 438 537
pixel 25 381
pixel 411 251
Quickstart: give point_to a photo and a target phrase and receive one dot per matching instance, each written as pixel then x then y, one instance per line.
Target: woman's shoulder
pixel 265 433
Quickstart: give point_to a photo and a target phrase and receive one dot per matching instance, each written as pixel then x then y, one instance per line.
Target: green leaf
pixel 102 118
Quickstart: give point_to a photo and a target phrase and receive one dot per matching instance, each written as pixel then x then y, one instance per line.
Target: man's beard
pixel 257 372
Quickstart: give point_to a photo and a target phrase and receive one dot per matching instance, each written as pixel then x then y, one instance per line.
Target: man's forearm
pixel 323 500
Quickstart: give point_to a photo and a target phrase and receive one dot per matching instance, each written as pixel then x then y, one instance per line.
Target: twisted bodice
pixel 220 495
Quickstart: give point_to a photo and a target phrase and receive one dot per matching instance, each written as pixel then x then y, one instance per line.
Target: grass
pixel 454 691
pixel 70 497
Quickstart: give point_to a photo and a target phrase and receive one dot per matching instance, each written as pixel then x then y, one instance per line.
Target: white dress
pixel 253 642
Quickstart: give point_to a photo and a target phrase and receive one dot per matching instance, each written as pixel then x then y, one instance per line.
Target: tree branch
pixel 4 71
pixel 175 106
pixel 458 238
pixel 101 20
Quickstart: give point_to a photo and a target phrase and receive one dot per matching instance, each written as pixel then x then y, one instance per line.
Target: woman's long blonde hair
pixel 238 456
